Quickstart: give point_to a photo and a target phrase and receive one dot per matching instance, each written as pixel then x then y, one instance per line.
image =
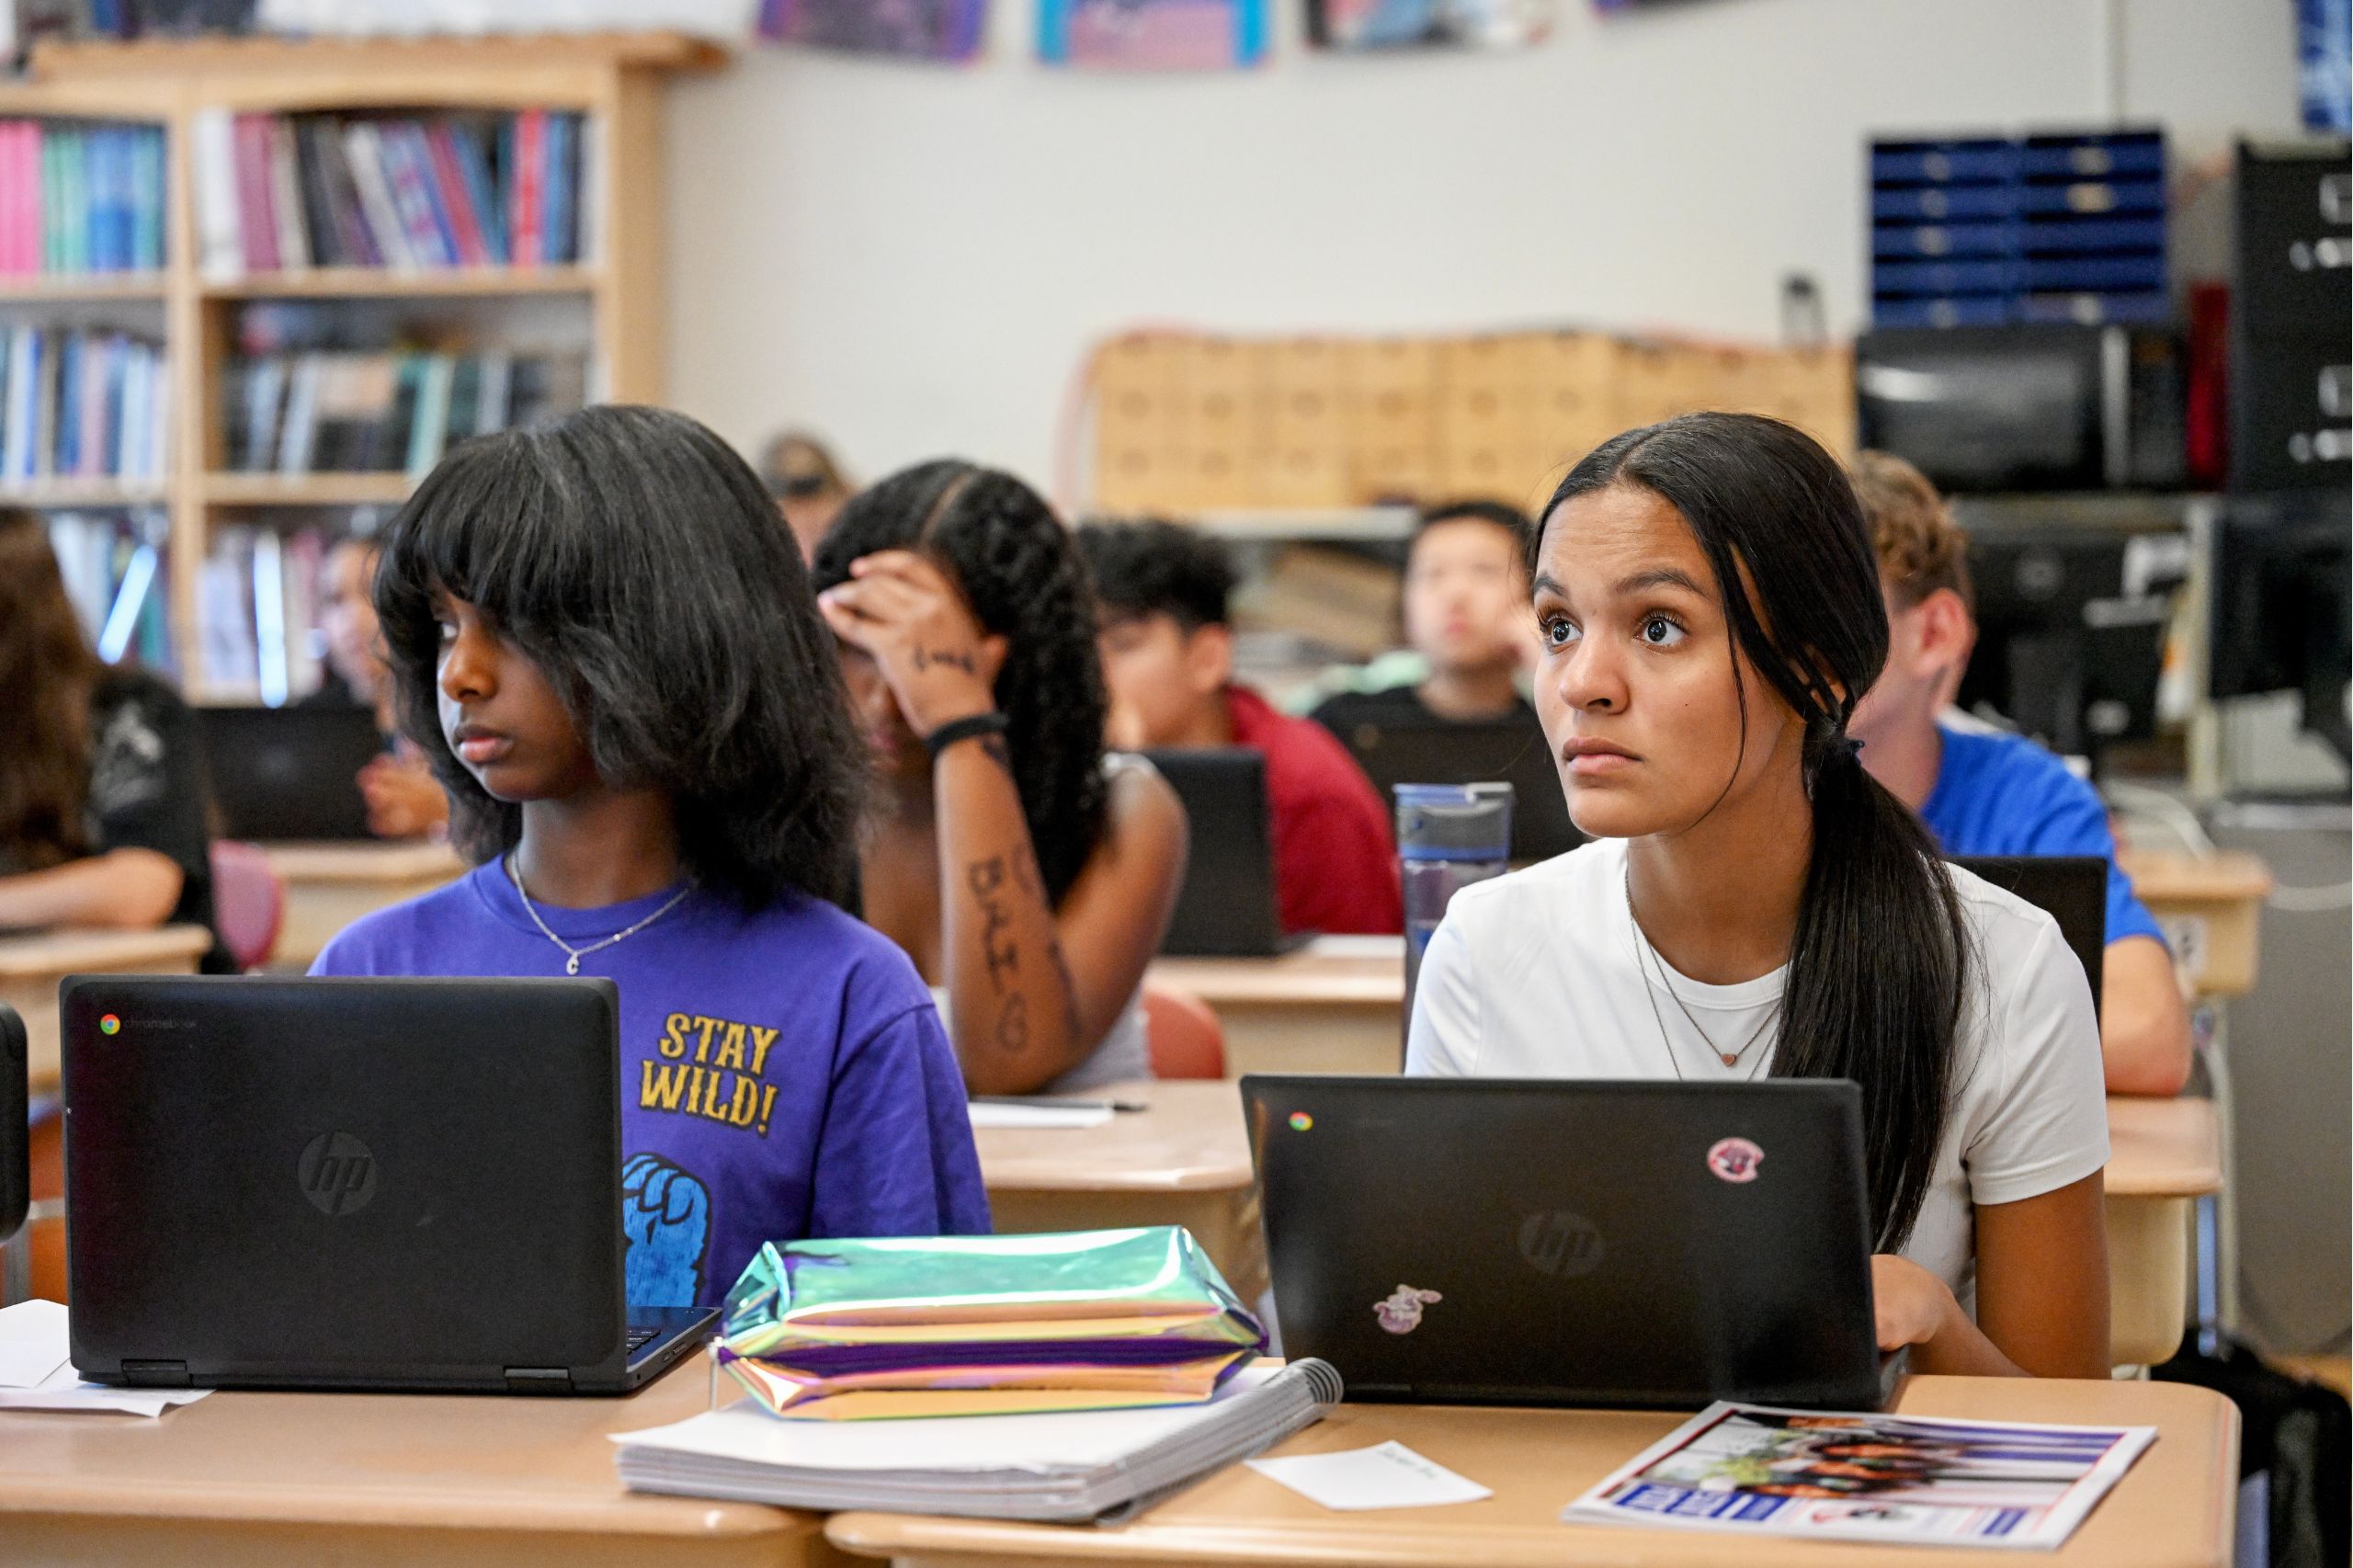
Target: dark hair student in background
pixel 1756 904
pixel 1465 603
pixel 101 790
pixel 609 651
pixel 1162 590
pixel 1028 875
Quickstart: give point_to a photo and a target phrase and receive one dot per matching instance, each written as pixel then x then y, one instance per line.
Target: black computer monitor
pixel 2280 618
pixel 2064 651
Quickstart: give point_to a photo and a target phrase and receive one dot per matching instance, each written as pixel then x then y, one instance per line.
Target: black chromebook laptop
pixel 1226 908
pixel 285 773
pixel 1552 1242
pixel 1505 750
pixel 2070 889
pixel 351 1184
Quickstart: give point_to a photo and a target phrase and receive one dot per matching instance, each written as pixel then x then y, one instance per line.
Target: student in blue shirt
pixel 611 656
pixel 1988 793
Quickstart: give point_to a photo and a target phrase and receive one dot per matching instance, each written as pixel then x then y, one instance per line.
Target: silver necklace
pixel 1643 946
pixel 571 955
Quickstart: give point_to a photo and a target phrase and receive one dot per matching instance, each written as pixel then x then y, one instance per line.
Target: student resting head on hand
pixel 101 790
pixel 1756 904
pixel 609 655
pixel 1030 879
pixel 1983 793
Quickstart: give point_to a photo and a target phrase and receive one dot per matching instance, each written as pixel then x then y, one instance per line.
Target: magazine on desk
pixel 1751 1470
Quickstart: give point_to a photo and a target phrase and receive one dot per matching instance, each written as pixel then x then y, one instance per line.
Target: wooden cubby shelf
pixel 72 288
pixel 379 283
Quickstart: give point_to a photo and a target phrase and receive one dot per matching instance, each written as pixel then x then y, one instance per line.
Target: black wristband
pixel 964 729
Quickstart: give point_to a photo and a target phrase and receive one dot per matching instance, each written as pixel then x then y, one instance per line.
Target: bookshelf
pixel 612 296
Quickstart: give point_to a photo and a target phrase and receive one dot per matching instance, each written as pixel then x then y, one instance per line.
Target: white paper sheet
pixel 1390 1475
pixel 32 1342
pixel 1040 1116
pixel 33 1334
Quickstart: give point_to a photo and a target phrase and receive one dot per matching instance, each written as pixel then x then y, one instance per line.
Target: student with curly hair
pixel 609 653
pixel 1028 875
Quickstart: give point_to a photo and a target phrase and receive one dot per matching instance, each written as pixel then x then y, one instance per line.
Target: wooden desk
pixel 30 967
pixel 328 886
pixel 2210 906
pixel 2172 1509
pixel 2163 1155
pixel 1334 1005
pixel 453 1480
pixel 1184 1162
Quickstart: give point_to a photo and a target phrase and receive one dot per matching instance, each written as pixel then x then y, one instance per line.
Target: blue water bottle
pixel 1448 835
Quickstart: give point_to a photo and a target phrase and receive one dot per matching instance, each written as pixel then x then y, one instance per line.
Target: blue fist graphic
pixel 666 1215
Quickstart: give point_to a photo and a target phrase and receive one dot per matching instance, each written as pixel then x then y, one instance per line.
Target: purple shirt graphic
pixel 784 1073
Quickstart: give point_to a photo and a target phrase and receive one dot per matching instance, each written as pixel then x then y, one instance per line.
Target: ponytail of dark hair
pixel 1881 958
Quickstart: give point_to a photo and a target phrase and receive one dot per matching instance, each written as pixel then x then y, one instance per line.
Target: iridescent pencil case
pixel 984 1325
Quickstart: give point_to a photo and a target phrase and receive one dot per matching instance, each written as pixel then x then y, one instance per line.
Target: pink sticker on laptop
pixel 1734 1159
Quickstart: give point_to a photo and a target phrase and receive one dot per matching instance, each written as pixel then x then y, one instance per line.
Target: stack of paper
pixel 1067 1466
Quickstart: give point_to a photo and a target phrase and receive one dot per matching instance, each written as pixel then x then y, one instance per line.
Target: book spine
pixel 562 170
pixel 74 170
pixel 147 200
pixel 473 164
pixel 91 421
pixel 364 150
pixel 53 200
pixel 410 192
pixel 219 213
pixel 256 224
pixel 530 185
pixel 15 200
pixel 286 196
pixel 453 198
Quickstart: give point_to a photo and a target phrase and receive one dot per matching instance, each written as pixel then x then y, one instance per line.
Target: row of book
pixel 280 192
pixel 258 601
pixel 81 404
pixel 78 196
pixel 114 564
pixel 378 412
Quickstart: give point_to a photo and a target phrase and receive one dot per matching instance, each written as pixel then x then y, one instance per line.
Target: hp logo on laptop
pixel 1561 1244
pixel 338 1173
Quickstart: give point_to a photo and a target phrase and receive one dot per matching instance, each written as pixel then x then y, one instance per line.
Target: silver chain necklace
pixel 1641 946
pixel 571 955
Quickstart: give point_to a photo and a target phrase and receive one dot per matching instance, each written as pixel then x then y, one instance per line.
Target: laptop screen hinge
pixel 538 1379
pixel 155 1374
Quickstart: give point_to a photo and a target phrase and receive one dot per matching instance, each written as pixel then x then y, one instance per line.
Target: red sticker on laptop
pixel 1734 1159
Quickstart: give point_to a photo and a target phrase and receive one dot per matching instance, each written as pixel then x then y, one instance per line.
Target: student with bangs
pixel 609 655
pixel 1029 875
pixel 1755 904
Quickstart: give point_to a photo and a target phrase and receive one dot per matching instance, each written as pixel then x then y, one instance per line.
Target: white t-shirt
pixel 1536 975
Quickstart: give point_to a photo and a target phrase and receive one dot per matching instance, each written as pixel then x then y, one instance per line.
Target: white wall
pixel 914 259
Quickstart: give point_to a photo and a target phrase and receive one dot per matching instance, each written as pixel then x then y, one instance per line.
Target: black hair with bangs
pixel 636 560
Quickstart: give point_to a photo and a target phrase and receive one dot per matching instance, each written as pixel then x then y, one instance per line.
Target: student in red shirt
pixel 1168 660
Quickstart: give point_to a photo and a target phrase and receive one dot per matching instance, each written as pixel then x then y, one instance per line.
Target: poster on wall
pixel 1151 34
pixel 1427 24
pixel 910 29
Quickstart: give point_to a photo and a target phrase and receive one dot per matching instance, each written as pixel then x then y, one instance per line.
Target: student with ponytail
pixel 1755 905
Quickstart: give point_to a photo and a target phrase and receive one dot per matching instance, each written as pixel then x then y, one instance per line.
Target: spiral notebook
pixel 1067 1467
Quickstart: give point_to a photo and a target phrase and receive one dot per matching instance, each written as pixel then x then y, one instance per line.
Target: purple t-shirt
pixel 784 1073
